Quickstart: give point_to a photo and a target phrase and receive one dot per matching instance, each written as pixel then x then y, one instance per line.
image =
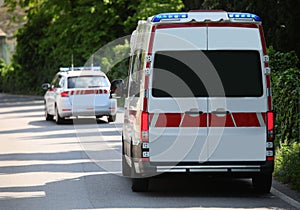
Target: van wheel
pixel 58 119
pixel 140 184
pixel 111 118
pixel 262 183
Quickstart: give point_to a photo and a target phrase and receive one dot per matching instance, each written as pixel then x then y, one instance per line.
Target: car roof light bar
pixel 243 16
pixel 80 68
pixel 170 16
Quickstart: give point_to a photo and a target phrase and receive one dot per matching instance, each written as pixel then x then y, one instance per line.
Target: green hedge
pixel 287 164
pixel 285 85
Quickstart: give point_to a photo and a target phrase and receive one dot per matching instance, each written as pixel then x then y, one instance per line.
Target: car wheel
pixel 58 118
pixel 262 182
pixel 111 118
pixel 48 116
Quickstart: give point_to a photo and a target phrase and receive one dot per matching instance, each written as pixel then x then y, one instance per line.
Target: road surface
pixel 77 166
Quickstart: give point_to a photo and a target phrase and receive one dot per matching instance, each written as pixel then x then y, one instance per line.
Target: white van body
pixel 198 98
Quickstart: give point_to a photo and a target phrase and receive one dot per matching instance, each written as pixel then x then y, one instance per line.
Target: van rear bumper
pixel 241 169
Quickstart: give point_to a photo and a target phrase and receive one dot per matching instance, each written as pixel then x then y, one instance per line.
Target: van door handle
pixel 220 112
pixel 194 112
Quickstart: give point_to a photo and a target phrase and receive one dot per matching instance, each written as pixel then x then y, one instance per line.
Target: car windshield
pixel 87 82
pixel 197 74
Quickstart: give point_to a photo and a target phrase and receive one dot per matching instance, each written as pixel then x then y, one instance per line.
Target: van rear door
pixel 178 120
pixel 237 125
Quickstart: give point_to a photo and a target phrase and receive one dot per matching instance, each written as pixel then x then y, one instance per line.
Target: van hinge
pixel 147 71
pixel 267 71
pixel 149 58
pixel 147 93
pixel 266 58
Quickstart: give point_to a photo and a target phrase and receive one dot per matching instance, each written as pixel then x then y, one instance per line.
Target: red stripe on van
pixel 145 104
pixel 270 105
pixel 246 119
pixel 168 120
pixel 262 37
pixel 228 120
pixel 150 46
pixel 146 86
pixel 197 121
pixel 87 92
pixel 220 121
pixel 268 78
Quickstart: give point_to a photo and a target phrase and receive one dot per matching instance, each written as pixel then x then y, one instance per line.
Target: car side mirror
pixel 116 88
pixel 46 86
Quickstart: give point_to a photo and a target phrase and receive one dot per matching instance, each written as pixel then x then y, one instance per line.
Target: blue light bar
pixel 158 18
pixel 244 16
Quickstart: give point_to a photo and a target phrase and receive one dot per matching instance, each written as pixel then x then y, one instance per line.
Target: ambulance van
pixel 198 99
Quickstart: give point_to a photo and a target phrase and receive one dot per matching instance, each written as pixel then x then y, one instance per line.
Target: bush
pixel 287 164
pixel 285 84
pixel 285 87
pixel 6 77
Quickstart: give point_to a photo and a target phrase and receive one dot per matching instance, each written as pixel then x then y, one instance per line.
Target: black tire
pixel 58 119
pixel 111 118
pixel 140 184
pixel 262 183
pixel 48 116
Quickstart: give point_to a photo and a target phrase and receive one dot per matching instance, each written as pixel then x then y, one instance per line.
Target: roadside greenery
pixel 285 89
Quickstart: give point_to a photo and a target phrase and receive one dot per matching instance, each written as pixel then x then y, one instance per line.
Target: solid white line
pixel 285 198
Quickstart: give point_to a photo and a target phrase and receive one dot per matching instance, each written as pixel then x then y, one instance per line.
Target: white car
pixel 79 91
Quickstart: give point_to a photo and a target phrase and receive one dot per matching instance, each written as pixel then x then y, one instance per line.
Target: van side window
pixel 135 74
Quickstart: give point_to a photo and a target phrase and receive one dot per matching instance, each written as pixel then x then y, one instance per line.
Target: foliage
pixel 287 163
pixel 58 31
pixel 280 18
pixel 285 82
pixel 147 8
pixel 285 89
pixel 6 77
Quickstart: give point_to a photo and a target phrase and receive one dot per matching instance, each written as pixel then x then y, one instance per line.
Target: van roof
pixel 205 16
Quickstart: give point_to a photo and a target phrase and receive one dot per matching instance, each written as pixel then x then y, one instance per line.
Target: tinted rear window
pixel 87 82
pixel 207 73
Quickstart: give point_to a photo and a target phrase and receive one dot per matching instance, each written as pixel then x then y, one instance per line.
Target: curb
pixel 285 193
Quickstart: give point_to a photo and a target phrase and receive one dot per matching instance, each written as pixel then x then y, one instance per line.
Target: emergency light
pixel 244 16
pixel 206 16
pixel 159 17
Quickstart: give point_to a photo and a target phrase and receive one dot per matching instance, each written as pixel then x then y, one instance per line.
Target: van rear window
pixel 230 73
pixel 87 82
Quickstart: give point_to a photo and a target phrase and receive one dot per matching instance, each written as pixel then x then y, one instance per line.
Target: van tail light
pixel 145 126
pixel 64 94
pixel 270 136
pixel 270 126
pixel 145 136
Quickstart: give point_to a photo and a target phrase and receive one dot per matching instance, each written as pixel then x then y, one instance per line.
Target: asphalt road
pixel 77 166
